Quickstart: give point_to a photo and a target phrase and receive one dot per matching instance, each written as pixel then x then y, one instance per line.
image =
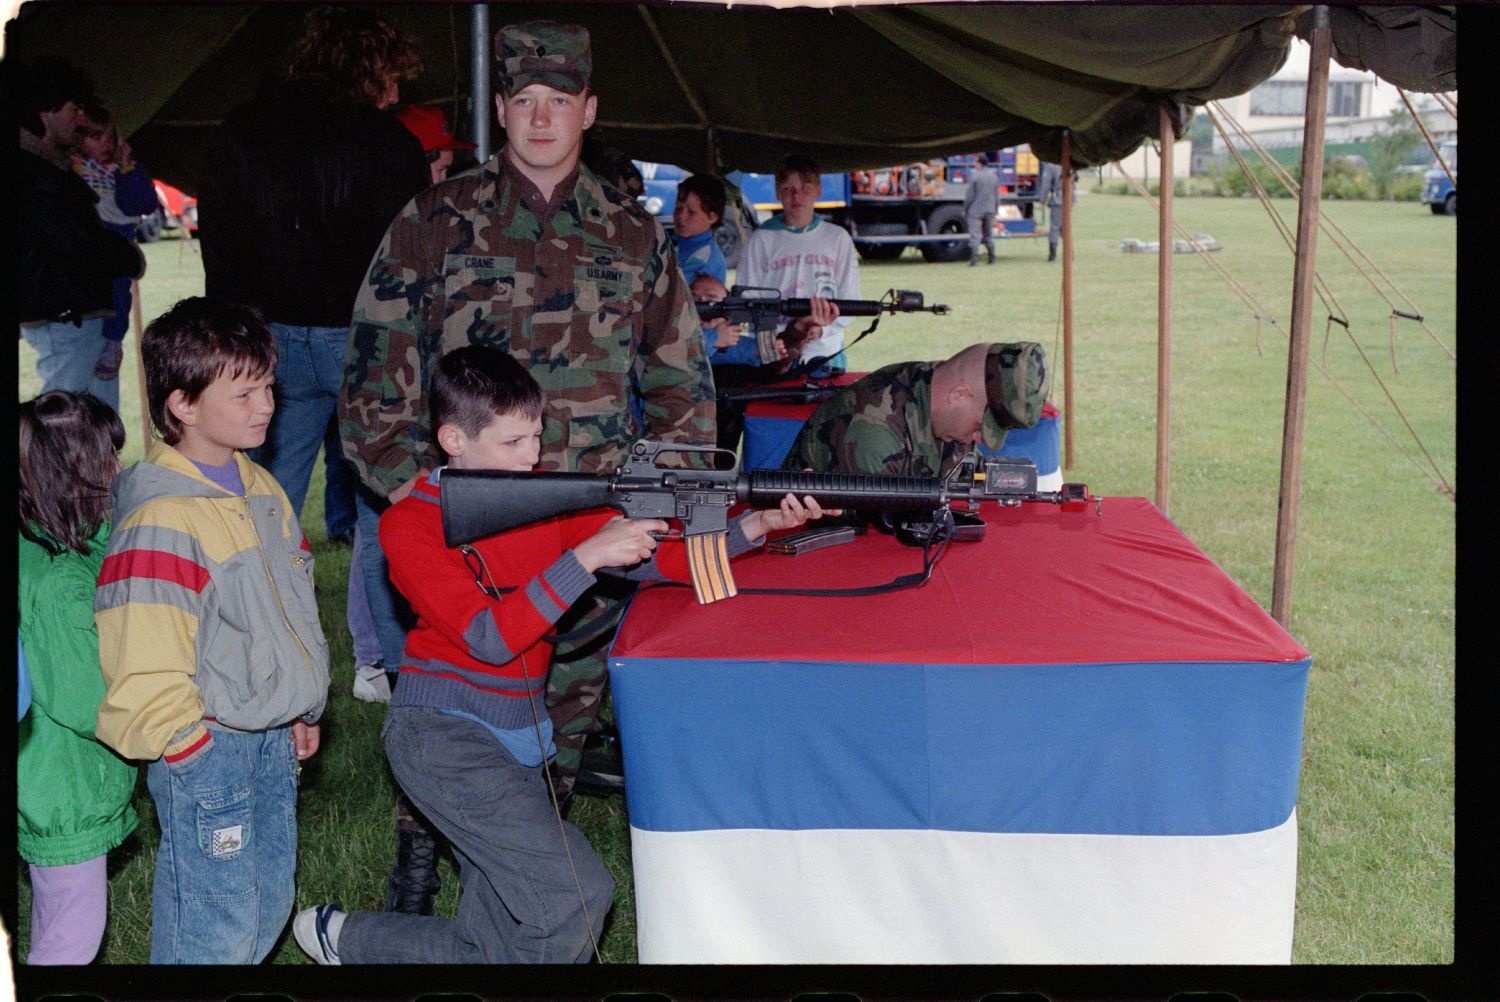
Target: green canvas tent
pixel 684 81
pixel 719 86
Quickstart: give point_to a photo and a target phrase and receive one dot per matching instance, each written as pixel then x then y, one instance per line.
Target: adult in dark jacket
pixel 296 192
pixel 68 260
pixel 297 189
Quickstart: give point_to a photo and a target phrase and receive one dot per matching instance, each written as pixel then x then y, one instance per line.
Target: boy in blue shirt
pixel 698 213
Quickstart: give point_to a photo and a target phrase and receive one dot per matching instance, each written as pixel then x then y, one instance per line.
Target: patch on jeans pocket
pixel 225 842
pixel 224 823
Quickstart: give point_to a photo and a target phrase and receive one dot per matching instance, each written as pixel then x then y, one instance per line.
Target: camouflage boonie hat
pixel 1016 383
pixel 544 52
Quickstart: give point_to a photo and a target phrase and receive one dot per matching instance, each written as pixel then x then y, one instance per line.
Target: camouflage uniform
pixel 883 423
pixel 587 296
pixel 585 292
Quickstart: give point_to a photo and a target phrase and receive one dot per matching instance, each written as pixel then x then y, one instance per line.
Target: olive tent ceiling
pixel 854 85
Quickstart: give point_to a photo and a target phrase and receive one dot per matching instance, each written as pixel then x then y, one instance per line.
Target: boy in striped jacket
pixel 215 664
pixel 467 734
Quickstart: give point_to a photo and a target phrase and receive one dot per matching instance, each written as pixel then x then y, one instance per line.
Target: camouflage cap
pixel 1016 383
pixel 544 52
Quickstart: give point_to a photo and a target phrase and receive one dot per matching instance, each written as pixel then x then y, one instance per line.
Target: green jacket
pixel 72 793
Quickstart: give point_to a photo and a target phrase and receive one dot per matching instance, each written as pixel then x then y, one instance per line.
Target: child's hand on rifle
pixel 791 514
pixel 810 327
pixel 726 334
pixel 621 542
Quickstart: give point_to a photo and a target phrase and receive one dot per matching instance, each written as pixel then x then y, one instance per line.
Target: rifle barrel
pixel 847 307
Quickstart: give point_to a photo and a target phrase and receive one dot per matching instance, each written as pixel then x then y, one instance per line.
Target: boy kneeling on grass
pixel 467 734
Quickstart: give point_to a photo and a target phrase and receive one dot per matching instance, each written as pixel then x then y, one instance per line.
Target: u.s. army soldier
pixel 531 253
pixel 920 418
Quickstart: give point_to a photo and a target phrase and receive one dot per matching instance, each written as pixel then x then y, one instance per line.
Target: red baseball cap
pixel 430 126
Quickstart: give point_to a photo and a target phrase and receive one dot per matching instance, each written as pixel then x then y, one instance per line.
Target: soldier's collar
pixel 529 193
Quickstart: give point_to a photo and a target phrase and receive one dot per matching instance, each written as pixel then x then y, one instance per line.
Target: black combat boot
pixel 414 881
pixel 1052 252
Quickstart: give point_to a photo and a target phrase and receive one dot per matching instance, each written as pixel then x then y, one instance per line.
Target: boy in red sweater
pixel 468 735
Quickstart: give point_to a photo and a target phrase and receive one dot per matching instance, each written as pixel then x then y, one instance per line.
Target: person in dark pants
pixel 1049 193
pixel 981 201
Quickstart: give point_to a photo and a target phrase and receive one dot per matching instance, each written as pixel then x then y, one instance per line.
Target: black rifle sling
pixel 813 364
pixel 930 558
pixel 589 627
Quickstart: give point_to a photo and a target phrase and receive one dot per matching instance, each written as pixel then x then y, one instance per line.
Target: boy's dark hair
pixel 710 192
pixel 192 344
pixel 355 50
pixel 477 383
pixel 69 448
pixel 44 85
pixel 798 163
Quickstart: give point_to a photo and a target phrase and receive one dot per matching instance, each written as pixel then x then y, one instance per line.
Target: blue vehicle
pixel 661 198
pixel 885 209
pixel 1440 194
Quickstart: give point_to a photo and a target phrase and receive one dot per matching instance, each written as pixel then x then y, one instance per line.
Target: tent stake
pixel 1308 208
pixel 1165 205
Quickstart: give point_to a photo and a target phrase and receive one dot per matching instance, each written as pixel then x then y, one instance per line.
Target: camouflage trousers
pixel 576 680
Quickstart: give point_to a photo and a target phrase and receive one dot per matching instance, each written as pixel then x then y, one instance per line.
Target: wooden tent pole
pixel 1067 297
pixel 1302 299
pixel 1164 318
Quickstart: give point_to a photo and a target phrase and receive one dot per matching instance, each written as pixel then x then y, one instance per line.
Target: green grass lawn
pixel 1373 595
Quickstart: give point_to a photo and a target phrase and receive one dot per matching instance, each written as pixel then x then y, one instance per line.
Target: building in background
pixel 1359 105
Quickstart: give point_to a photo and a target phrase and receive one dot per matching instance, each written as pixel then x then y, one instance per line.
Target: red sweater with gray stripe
pixel 482 655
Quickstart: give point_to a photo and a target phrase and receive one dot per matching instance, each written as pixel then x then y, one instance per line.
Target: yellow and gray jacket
pixel 205 609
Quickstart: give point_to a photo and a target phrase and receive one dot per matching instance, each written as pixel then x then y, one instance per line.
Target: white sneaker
pixel 317 932
pixel 371 683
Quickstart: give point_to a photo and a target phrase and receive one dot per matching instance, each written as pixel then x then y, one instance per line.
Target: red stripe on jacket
pixel 155 564
pixel 179 756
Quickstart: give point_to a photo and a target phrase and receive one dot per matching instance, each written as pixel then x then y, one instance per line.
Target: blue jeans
pixel 338 491
pixel 392 615
pixel 66 355
pixel 223 889
pixel 309 374
pixel 114 328
pixel 357 613
pixel 520 902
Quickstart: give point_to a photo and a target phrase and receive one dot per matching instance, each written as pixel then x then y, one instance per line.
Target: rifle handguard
pixel 846 490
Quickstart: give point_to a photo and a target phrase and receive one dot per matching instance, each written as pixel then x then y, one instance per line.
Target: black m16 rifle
pixel 479 503
pixel 761 309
